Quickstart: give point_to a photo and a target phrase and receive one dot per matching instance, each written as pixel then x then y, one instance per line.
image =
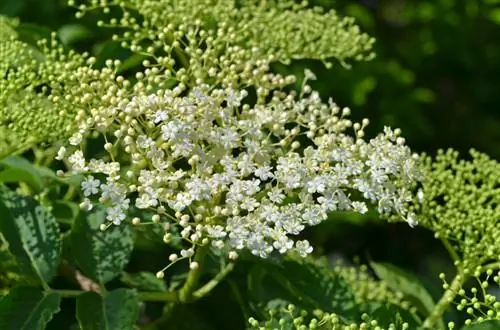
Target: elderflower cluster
pixel 246 177
pixel 205 135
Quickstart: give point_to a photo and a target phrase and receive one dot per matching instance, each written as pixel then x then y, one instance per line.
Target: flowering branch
pixel 186 292
pixel 445 301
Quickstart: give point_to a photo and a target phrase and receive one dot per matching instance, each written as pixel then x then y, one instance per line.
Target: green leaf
pixel 401 281
pixel 64 211
pixel 20 169
pixel 72 33
pixel 386 314
pixel 303 283
pixel 486 325
pixel 31 33
pixel 32 234
pixel 27 308
pixel 494 15
pixel 144 281
pixel 100 255
pixel 117 310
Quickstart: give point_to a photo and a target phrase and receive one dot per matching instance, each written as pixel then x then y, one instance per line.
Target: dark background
pixel 436 76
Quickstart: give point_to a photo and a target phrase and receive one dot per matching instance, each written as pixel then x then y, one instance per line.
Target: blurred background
pixel 436 76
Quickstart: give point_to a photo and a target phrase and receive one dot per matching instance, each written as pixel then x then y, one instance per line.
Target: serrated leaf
pixel 303 283
pixel 117 310
pixel 144 281
pixel 100 255
pixel 400 280
pixel 32 234
pixel 486 325
pixel 27 308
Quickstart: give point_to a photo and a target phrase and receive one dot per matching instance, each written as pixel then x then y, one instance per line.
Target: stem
pixel 68 293
pixel 204 290
pixel 445 301
pixel 143 296
pixel 171 296
pixel 186 292
pixel 450 249
pixel 492 266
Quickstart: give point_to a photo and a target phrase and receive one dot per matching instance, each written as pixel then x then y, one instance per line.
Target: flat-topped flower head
pixel 246 177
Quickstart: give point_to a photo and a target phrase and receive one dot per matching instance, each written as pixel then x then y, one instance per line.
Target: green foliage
pixel 118 309
pixel 17 169
pixel 487 325
pixel 28 308
pixel 32 234
pixel 303 283
pixel 409 285
pixel 149 274
pixel 144 281
pixel 100 254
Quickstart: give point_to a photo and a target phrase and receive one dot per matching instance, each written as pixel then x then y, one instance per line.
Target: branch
pixel 445 301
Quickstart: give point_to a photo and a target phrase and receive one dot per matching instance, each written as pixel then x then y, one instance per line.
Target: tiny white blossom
pixel 61 153
pixel 304 248
pixel 90 186
pixel 359 207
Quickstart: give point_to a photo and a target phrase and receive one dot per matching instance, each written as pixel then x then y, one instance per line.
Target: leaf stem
pixel 68 293
pixel 143 296
pixel 445 301
pixel 187 293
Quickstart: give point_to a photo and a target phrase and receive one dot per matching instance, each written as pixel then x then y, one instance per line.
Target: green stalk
pixel 187 290
pixel 204 290
pixel 443 304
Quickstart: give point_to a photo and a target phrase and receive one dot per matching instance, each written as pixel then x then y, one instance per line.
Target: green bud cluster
pixel 282 30
pixel 479 304
pixel 460 203
pixel 285 316
pixel 45 90
pixel 34 104
pixel 369 294
pixel 367 289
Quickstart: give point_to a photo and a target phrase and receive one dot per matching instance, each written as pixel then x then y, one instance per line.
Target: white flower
pixel 160 116
pixel 235 171
pixel 276 195
pixel 359 207
pixel 61 153
pixel 216 231
pixel 115 215
pixel 420 195
pixel 264 173
pixel 76 139
pixel 77 161
pixel 90 186
pixel 303 248
pixel 411 220
pixel 309 75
